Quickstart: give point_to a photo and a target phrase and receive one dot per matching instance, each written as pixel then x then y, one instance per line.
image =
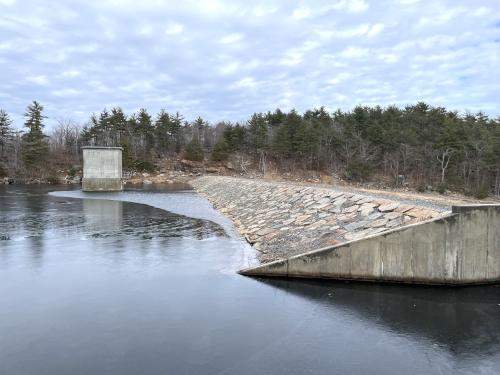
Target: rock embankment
pixel 283 219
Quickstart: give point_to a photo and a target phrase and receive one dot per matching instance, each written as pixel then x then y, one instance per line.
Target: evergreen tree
pixel 257 129
pixel 145 131
pixel 194 151
pixel 199 125
pixel 221 150
pixel 117 125
pixel 163 131
pixel 35 147
pixel 176 130
pixel 5 131
pixel 287 140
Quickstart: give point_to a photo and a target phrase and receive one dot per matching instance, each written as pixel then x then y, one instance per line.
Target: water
pixel 104 286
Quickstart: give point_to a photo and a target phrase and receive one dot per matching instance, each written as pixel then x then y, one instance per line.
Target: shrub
pixel 72 172
pixel 441 188
pixel 481 192
pixel 358 171
pixel 53 179
pixel 421 187
pixel 144 166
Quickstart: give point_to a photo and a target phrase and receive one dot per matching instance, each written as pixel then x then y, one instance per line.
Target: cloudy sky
pixel 227 59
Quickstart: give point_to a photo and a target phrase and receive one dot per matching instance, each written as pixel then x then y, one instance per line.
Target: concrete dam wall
pixel 460 248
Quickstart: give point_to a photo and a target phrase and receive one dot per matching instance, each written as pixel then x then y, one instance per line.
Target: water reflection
pixel 102 215
pixel 29 213
pixel 464 321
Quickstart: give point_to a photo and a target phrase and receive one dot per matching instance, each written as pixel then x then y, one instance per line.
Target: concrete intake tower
pixel 102 168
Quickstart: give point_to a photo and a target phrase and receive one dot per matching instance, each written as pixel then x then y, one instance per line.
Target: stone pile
pixel 281 219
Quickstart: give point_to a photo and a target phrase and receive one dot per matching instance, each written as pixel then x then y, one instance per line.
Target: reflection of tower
pixel 102 215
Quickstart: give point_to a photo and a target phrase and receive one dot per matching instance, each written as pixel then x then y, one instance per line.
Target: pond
pixel 145 282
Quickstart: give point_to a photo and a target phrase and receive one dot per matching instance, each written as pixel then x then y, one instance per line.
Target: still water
pixel 144 282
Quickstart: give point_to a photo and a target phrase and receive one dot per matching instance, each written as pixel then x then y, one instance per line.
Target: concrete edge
pixel 101 148
pixel 368 280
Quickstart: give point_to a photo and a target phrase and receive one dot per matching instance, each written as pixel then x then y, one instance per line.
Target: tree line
pixel 419 144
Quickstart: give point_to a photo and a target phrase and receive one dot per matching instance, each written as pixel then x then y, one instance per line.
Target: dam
pixel 102 168
pixel 327 233
pixel 462 248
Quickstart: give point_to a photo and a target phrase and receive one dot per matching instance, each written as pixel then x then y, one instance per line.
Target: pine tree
pixel 257 128
pixel 194 151
pixel 176 129
pixel 117 125
pixel 35 147
pixel 199 125
pixel 221 150
pixel 5 131
pixel 163 130
pixel 145 131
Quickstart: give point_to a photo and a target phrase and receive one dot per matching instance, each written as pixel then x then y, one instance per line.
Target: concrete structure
pixel 102 169
pixel 282 219
pixel 460 248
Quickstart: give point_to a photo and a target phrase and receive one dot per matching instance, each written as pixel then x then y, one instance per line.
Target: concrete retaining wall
pixel 460 248
pixel 102 169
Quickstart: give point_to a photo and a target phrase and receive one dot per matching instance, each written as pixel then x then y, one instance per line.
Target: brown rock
pixel 351 209
pixel 302 218
pixel 212 170
pixel 393 215
pixel 271 235
pixel 367 200
pixel 404 208
pixel 348 217
pixel 420 213
pixel 335 195
pixel 378 223
pixel 264 231
pixel 366 211
pixel 289 221
pixel 394 223
pixel 388 207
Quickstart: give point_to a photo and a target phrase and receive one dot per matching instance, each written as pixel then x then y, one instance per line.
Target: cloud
pixel 39 80
pixel 225 59
pixel 231 38
pixel 71 73
pixel 66 92
pixel 247 82
pixel 354 52
pixel 339 78
pixel 174 28
pixel 229 68
pixel 375 29
pixel 301 12
pixel 353 6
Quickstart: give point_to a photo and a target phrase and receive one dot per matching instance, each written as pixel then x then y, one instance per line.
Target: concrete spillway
pixel 460 248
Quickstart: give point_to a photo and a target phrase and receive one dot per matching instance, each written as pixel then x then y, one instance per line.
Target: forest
pixel 416 146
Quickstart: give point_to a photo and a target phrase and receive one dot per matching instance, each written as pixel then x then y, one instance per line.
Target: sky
pixel 224 60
